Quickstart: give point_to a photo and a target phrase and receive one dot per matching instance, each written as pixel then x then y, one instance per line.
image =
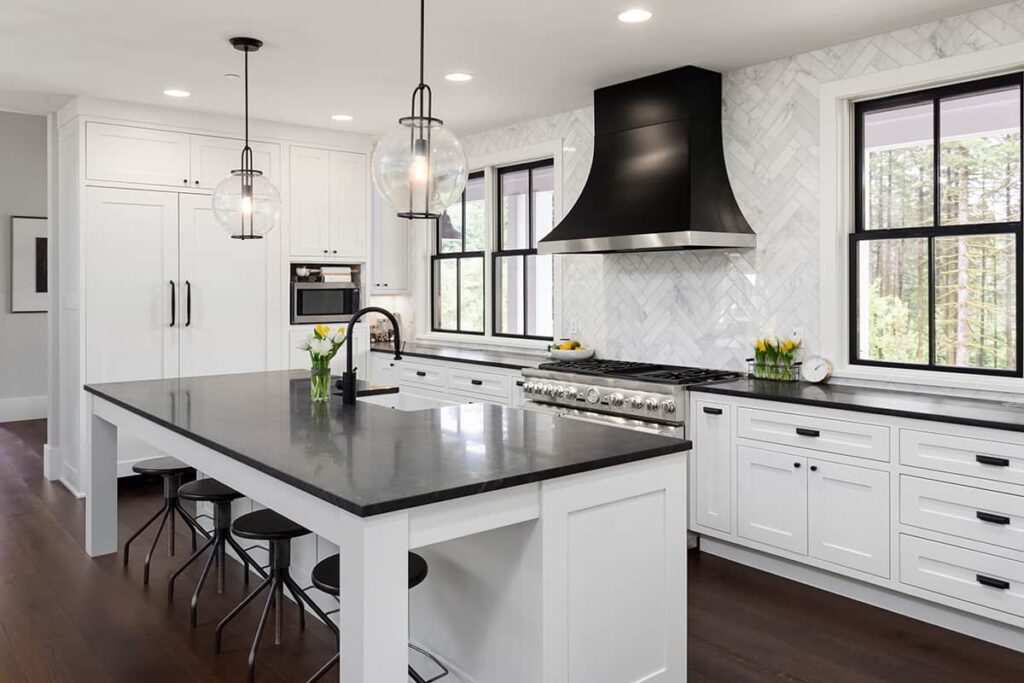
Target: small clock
pixel 816 369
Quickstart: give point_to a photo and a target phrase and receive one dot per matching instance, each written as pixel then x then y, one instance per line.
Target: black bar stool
pixel 212 491
pixel 326 575
pixel 172 471
pixel 267 525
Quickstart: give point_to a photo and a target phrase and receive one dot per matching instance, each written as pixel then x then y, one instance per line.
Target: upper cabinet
pixel 136 155
pixel 213 158
pixel 144 156
pixel 390 272
pixel 328 211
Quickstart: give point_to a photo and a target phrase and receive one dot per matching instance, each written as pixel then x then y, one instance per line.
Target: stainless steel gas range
pixel 641 396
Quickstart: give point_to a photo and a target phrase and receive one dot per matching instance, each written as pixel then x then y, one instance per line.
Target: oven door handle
pixel 608 423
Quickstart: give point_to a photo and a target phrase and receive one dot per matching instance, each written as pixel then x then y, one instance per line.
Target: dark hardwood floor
pixel 66 617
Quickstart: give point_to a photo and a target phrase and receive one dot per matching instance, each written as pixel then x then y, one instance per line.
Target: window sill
pixel 927 379
pixel 527 346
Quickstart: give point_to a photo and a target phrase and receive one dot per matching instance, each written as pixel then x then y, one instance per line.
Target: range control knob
pixel 651 404
pixel 616 400
pixel 571 393
pixel 668 407
pixel 529 387
pixel 593 395
pixel 637 402
pixel 550 389
pixel 560 392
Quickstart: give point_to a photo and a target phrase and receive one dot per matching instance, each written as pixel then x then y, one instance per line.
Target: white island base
pixel 579 579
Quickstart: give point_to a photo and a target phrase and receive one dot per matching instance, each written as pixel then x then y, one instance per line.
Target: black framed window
pixel 936 253
pixel 457 263
pixel 523 279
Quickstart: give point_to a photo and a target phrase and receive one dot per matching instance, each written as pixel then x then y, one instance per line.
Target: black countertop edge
pixel 925 410
pixel 681 446
pixel 494 359
pixel 371 510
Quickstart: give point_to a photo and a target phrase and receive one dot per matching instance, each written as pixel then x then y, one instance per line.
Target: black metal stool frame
pixel 218 543
pixel 172 506
pixel 278 580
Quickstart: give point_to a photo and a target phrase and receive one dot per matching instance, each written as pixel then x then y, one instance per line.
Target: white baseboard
pixel 51 462
pixel 457 674
pixel 906 605
pixel 22 408
pixel 69 475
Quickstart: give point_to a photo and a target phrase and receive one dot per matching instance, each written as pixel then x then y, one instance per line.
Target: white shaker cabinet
pixel 772 491
pixel 848 516
pixel 390 272
pixel 129 154
pixel 711 466
pixel 213 158
pixel 328 213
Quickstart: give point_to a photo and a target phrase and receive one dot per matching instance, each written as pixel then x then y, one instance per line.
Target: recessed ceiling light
pixel 174 92
pixel 634 16
pixel 459 77
pixel 342 117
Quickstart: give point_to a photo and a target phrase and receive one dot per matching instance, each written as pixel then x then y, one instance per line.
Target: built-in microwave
pixel 315 300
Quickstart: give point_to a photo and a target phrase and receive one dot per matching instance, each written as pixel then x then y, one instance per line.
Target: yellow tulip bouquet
pixel 323 345
pixel 773 359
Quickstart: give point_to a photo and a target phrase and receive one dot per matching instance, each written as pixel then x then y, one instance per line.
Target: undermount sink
pixel 405 402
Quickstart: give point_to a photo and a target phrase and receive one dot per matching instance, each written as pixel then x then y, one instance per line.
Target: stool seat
pixel 162 465
pixel 208 491
pixel 267 525
pixel 326 573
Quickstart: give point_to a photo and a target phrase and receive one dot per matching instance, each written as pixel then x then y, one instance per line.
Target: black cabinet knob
pixel 814 468
pixel 796 465
pixel 197 182
pixel 185 180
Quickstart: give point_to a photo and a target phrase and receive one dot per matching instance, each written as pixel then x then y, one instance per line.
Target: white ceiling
pixel 529 57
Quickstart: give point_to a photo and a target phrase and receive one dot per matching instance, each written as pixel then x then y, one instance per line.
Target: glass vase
pixel 320 383
pixel 779 370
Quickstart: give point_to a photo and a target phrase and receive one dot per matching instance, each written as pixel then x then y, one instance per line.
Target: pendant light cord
pixel 246 98
pixel 423 13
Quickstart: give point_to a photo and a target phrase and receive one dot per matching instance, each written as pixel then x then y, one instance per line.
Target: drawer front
pixel 963 455
pixel 978 578
pixel 821 434
pixel 421 374
pixel 470 380
pixel 985 516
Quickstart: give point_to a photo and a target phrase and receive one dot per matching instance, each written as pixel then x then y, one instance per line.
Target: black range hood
pixel 658 180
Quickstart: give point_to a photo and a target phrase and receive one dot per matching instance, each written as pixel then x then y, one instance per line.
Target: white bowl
pixel 575 354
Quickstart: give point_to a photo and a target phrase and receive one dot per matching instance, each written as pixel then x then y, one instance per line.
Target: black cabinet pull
pixel 994 519
pixel 173 304
pixel 520 382
pixel 807 432
pixel 993 583
pixel 796 465
pixel 814 468
pixel 712 411
pixel 990 460
pixel 185 180
pixel 476 382
pixel 420 373
pixel 197 182
pixel 188 303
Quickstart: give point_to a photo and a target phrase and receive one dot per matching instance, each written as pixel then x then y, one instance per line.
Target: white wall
pixel 23 182
pixel 702 308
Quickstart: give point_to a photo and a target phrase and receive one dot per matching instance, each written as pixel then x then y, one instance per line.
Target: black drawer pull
pixel 802 431
pixel 995 519
pixel 420 373
pixel 476 382
pixel 712 411
pixel 993 583
pixel 990 460
pixel 520 382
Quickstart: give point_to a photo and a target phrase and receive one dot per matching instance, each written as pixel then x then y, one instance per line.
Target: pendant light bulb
pixel 420 167
pixel 246 203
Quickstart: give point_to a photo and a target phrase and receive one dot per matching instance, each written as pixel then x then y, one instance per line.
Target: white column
pixel 100 477
pixel 374 597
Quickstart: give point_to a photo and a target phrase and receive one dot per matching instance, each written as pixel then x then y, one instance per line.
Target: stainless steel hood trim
pixel 652 241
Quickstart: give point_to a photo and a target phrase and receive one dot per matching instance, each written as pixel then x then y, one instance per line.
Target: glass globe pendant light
pixel 420 167
pixel 246 203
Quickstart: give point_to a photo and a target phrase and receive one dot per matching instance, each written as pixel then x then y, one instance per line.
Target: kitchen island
pixel 600 586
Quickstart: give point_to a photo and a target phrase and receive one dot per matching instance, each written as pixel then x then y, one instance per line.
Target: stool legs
pixel 172 506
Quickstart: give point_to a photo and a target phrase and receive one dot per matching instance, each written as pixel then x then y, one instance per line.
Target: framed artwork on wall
pixel 28 264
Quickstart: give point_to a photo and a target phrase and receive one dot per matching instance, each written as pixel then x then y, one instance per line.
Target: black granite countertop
pixel 495 359
pixel 370 459
pixel 878 400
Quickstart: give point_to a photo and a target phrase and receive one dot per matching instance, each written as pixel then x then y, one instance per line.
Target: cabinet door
pixel 772 492
pixel 131 263
pixel 848 516
pixel 214 158
pixel 310 212
pixel 225 295
pixel 349 225
pixel 390 247
pixel 712 466
pixel 127 154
